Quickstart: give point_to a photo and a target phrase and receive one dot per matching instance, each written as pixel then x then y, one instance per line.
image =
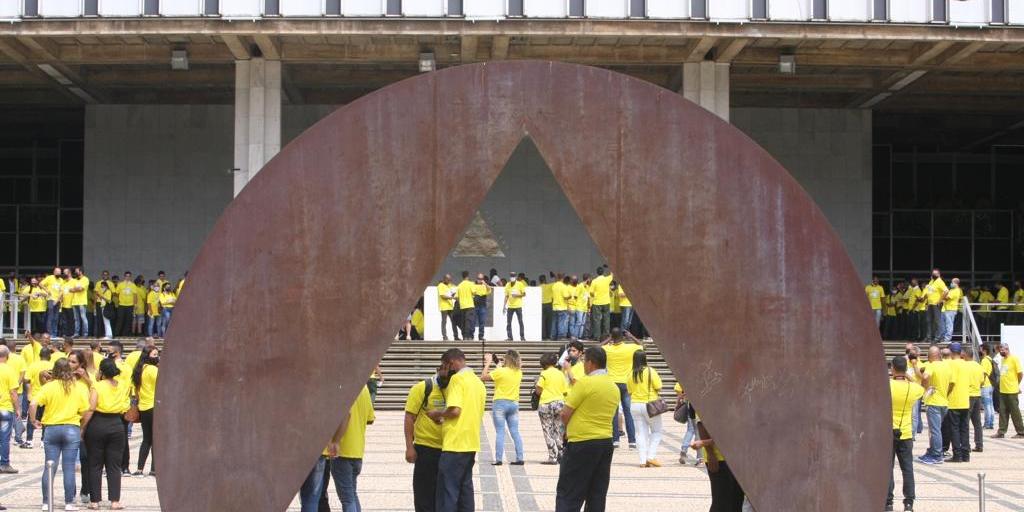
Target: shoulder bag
pixel 657 406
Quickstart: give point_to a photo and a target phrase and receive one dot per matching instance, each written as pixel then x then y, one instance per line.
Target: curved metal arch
pixel 741 280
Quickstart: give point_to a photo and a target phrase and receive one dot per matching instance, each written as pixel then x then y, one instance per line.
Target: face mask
pixel 156 360
pixel 443 380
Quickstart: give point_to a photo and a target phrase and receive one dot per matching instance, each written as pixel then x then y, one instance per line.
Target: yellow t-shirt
pixel 553 384
pixel 1008 370
pixel 481 290
pixel 33 374
pixel 559 297
pixel 36 299
pixel 581 302
pixel 63 408
pixel 545 293
pixel 467 392
pixel 933 292
pixel 975 377
pixel 417 321
pixel 577 371
pixel 620 360
pixel 147 392
pixel 80 298
pixel 904 395
pixel 1018 300
pixel 506 383
pixel 8 382
pixel 152 303
pixel 465 294
pixel 959 398
pixel 600 290
pixel 140 305
pixel 168 300
pixel 986 297
pixel 594 398
pixel 623 299
pixel 875 295
pixel 53 286
pixel 952 302
pixel 132 359
pixel 986 368
pixel 353 443
pixel 1003 297
pixel 939 375
pixel 110 398
pixel 425 431
pixel 30 352
pixel 918 298
pixel 646 388
pixel 519 288
pixel 66 295
pixel 444 301
pixel 126 294
pixel 678 388
pixel 17 364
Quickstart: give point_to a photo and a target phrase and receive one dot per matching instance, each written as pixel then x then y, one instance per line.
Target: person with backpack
pixel 423 440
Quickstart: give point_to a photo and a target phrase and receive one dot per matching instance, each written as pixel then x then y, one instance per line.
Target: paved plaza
pixel 385 484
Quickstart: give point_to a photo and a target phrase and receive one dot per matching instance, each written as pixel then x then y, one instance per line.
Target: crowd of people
pixel 572 306
pixel 929 310
pixel 69 303
pixel 84 400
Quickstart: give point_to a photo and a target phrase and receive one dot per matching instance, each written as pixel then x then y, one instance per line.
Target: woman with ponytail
pixel 144 386
pixel 66 412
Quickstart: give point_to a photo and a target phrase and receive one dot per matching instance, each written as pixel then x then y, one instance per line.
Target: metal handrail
pixel 969 327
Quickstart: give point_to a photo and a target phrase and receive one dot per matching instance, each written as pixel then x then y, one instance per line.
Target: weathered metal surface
pixel 741 280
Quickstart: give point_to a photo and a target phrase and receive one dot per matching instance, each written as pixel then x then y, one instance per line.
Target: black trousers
pixel 123 320
pixel 517 312
pixel 468 322
pixel 446 318
pixel 67 322
pixel 455 482
pixel 947 431
pixel 146 418
pixel 934 331
pixel 545 321
pixel 904 452
pixel 38 322
pixel 959 423
pixel 104 440
pixel 126 452
pixel 583 476
pixel 726 493
pixel 424 478
pixel 975 413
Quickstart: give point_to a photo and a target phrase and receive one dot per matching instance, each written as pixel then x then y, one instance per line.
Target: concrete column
pixel 257 116
pixel 706 83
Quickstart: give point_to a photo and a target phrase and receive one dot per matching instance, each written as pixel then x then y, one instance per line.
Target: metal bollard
pixel 981 492
pixel 49 491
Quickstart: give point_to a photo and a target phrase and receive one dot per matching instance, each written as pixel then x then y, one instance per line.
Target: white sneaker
pixel 45 507
pixel 70 506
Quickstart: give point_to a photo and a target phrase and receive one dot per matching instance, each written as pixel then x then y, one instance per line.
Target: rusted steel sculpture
pixel 742 282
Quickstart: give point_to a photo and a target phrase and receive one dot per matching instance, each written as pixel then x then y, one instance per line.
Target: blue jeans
pixel 935 416
pixel 455 482
pixel 345 472
pixel 481 315
pixel 916 419
pixel 626 403
pixel 6 426
pixel 506 411
pixel 151 325
pixel 627 318
pixel 21 425
pixel 576 323
pixel 52 312
pixel 691 432
pixel 60 444
pixel 309 493
pixel 948 318
pixel 81 321
pixel 989 406
pixel 559 324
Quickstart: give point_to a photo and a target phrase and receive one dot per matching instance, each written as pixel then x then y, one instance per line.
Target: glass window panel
pixel 881 169
pixel 71 221
pixel 935 185
pixel 8 218
pixel 992 255
pixel 46 190
pixel 911 254
pixel 953 255
pixel 952 223
pixel 914 223
pixel 880 224
pixel 38 219
pixel 903 185
pixel 992 224
pixel 71 249
pixel 973 184
pixel 8 250
pixel 880 254
pixel 36 249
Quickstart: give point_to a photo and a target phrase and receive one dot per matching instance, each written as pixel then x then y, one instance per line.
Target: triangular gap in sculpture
pixel 360 194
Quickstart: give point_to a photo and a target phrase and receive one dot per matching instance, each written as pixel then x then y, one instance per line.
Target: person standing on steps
pixel 507 378
pixel 515 291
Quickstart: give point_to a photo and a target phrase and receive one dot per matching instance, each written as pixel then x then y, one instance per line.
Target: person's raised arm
pixel 488 361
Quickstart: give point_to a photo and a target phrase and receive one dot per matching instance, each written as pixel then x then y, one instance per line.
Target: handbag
pixel 657 406
pixel 132 414
pixel 682 412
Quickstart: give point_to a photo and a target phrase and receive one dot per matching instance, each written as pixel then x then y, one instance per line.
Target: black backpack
pixel 993 378
pixel 428 388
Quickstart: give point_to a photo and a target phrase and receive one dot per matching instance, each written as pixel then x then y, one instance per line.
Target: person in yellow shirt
pixel 976 379
pixel 152 310
pixel 68 316
pixel 586 462
pixel 36 375
pixel 423 439
pixel 580 305
pixel 875 294
pixel 79 301
pixel 446 295
pixel 139 312
pixel 560 295
pixel 507 378
pixel 66 412
pixel 620 366
pixel 985 320
pixel 959 412
pixel 144 377
pixel 10 410
pixel 572 363
pixel 465 398
pixel 467 307
pixel 626 305
pixel 1010 375
pixel 643 385
pixel 515 292
pixel 904 395
pixel 600 303
pixel 53 287
pixel 1017 317
pixel 481 290
pixel 36 297
pixel 104 297
pixel 989 388
pixel 105 437
pixel 545 306
pixel 916 305
pixel 950 307
pixel 691 425
pixel 938 381
pixel 1003 298
pixel 933 299
pixel 347 449
pixel 552 386
pixel 126 297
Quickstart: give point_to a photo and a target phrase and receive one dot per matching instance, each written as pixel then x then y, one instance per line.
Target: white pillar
pixel 257 116
pixel 706 83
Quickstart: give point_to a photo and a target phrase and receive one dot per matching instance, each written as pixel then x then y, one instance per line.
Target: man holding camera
pixel 904 395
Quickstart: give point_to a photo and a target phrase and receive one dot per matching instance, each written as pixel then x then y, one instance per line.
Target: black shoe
pixel 954 460
pixel 888 508
pixel 496 463
pixel 517 463
pixel 1019 436
pixel 909 507
pixel 999 436
pixel 965 459
pixel 978 449
pixel 508 339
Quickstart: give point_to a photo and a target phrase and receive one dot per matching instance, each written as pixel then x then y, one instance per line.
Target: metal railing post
pixel 49 488
pixel 15 303
pixel 981 492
